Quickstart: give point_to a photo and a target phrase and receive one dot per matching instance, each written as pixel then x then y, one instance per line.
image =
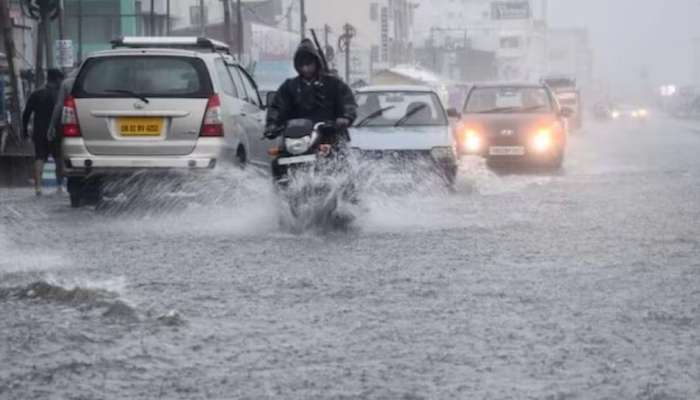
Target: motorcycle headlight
pixel 298 146
pixel 442 153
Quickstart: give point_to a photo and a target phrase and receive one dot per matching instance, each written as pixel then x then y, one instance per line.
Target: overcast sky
pixel 630 34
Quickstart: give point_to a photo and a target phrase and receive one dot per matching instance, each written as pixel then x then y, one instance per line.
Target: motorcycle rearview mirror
pixel 453 113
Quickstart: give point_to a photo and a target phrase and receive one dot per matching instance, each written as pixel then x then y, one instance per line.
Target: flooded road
pixel 579 285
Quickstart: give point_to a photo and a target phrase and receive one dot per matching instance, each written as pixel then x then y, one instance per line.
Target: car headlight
pixel 472 141
pixel 643 113
pixel 616 114
pixel 543 140
pixel 442 153
pixel 298 146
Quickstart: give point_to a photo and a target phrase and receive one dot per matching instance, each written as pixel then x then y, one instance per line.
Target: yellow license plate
pixel 144 126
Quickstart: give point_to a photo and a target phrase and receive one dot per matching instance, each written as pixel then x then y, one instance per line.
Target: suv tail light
pixel 213 125
pixel 69 119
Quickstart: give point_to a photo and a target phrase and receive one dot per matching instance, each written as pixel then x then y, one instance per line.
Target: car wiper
pixel 130 93
pixel 410 114
pixel 374 115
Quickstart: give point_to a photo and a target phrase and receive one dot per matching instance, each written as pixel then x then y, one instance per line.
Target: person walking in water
pixel 41 104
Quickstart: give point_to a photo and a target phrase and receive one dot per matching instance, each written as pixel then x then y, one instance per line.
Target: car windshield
pixel 399 108
pixel 509 100
pixel 149 76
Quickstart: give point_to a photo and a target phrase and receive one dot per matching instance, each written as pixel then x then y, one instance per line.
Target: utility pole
pixel 152 19
pixel 227 22
pixel 241 30
pixel 80 31
pixel 61 16
pixel 344 44
pixel 9 42
pixel 327 48
pixel 433 48
pixel 302 11
pixel 167 17
pixel 40 44
pixel 202 19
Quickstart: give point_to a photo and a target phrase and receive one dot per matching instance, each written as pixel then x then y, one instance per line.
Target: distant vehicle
pixel 514 123
pixel 407 126
pixel 628 111
pixel 602 111
pixel 159 104
pixel 569 96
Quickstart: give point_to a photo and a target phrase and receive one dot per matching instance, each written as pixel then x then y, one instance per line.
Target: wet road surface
pixel 578 285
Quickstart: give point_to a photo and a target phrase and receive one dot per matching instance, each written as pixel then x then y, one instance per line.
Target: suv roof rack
pixel 175 42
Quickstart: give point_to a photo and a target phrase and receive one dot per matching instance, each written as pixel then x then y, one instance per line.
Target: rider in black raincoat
pixel 312 95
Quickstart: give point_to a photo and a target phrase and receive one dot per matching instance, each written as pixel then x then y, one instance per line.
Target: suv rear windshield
pixel 148 76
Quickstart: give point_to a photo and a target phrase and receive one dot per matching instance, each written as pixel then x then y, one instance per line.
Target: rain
pixel 446 199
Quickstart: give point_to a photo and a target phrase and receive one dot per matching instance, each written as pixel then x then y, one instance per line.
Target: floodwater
pixel 583 284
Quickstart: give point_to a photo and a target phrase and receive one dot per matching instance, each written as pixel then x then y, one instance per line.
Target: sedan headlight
pixel 472 142
pixel 298 146
pixel 616 114
pixel 442 153
pixel 542 141
pixel 643 113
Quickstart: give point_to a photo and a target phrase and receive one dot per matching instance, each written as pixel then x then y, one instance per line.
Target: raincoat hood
pixel 306 48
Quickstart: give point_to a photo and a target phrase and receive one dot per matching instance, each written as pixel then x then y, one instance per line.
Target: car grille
pixel 501 140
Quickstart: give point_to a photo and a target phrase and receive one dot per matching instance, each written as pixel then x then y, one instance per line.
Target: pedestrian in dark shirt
pixel 41 105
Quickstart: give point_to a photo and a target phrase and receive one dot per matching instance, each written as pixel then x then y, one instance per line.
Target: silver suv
pixel 159 104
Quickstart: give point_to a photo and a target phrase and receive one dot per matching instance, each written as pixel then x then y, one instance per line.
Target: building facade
pixel 514 31
pixel 384 32
pixel 569 53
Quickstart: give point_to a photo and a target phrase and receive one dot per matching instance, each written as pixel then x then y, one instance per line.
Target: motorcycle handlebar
pixel 320 127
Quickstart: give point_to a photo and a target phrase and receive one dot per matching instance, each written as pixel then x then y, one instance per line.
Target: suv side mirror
pixel 270 98
pixel 453 113
pixel 566 112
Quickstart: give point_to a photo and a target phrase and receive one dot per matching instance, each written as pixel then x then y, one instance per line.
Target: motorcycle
pixel 312 174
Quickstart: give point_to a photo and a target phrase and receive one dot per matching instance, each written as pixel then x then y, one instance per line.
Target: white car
pixel 159 104
pixel 407 125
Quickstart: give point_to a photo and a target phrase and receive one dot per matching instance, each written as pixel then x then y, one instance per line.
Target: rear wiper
pixel 130 93
pixel 375 114
pixel 410 114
